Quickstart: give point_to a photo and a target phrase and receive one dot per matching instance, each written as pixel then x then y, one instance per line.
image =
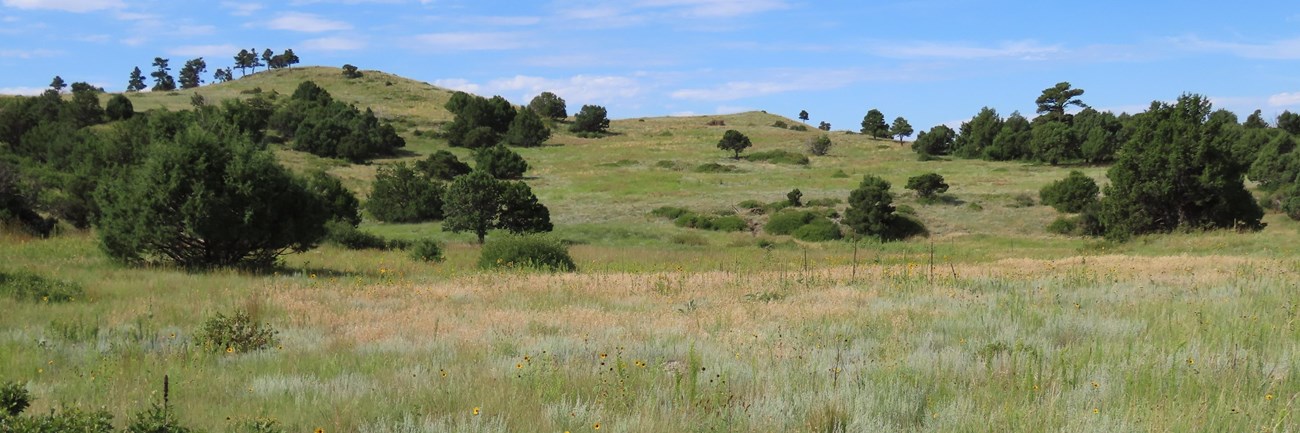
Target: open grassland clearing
pixel 375 342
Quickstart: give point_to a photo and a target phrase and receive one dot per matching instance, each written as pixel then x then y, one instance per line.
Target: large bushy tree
pixel 208 197
pixel 1056 99
pixel 938 141
pixel 479 122
pixel 527 130
pixel 477 203
pixel 1013 140
pixel 871 212
pixel 500 162
pixel 591 119
pixel 901 129
pixel 1176 172
pixel 977 135
pixel 873 124
pixel 549 105
pixel 1076 193
pixel 162 78
pixel 734 141
pixel 442 165
pixel 401 194
pixel 191 75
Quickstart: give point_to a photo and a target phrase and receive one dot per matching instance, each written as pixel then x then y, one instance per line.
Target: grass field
pixel 990 324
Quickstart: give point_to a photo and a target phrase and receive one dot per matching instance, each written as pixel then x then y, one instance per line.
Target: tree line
pixel 191 74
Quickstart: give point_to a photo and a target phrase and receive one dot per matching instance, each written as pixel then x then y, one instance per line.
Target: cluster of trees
pixel 1054 137
pixel 320 125
pixel 873 124
pixel 191 75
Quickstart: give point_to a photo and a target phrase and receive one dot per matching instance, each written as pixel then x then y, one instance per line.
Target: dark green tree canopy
pixel 978 134
pixel 938 141
pixel 191 74
pixel 803 115
pixel 479 122
pixel 901 129
pixel 1176 172
pixel 591 119
pixel 873 124
pixel 1013 140
pixel 162 79
pixel 1256 120
pixel 1289 122
pixel 402 194
pixel 477 203
pixel 119 108
pixel 1053 141
pixel 734 141
pixel 871 212
pixel 1076 193
pixel 500 162
pixel 57 84
pixel 340 204
pixel 527 130
pixel 351 72
pixel 442 165
pixel 928 185
pixel 208 197
pixel 549 105
pixel 1100 135
pixel 136 82
pixel 1054 100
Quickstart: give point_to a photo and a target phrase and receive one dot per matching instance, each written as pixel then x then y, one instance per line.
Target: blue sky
pixel 931 61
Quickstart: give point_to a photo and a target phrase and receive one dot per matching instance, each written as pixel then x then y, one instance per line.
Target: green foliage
pixel 500 162
pixel 442 165
pixel 1013 140
pixel 591 119
pixel 786 222
pixel 548 105
pixel 871 212
pixel 1289 122
pixel 820 229
pixel 778 156
pixel 720 223
pixel 780 124
pixel 900 128
pixel 29 287
pixel 794 197
pixel 1085 224
pixel 823 202
pixel 527 252
pixel 156 419
pixel 734 141
pixel 527 130
pixel 67 420
pixel 427 250
pixel 1053 141
pixel 670 212
pixel 340 203
pixel 239 332
pixel 349 236
pixel 191 75
pixel 322 126
pixel 477 203
pixel 799 128
pixel 14 398
pixel 873 124
pixel 1073 194
pixel 18 204
pixel 978 134
pixel 1054 100
pixel 1100 135
pixel 136 81
pixel 208 197
pixel 938 141
pixel 402 194
pixel 1176 171
pixel 713 167
pixel 162 79
pixel 1256 121
pixel 927 186
pixel 820 145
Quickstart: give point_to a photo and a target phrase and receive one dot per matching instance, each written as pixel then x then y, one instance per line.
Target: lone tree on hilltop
pixel 873 124
pixel 548 105
pixel 734 141
pixel 57 84
pixel 162 78
pixel 901 129
pixel 803 115
pixel 136 82
pixel 191 74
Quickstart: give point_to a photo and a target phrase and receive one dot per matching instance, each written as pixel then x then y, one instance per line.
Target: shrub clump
pixel 349 236
pixel 402 194
pixel 927 186
pixel 820 229
pixel 820 146
pixel 1073 194
pixel 784 223
pixel 778 157
pixel 714 167
pixel 30 287
pixel 14 398
pixel 427 250
pixel 527 251
pixel 239 332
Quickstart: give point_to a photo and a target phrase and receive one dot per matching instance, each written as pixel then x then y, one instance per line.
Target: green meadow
pixel 988 324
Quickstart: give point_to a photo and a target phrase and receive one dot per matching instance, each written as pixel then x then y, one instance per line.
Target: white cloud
pixel 1284 99
pixel 716 8
pixel 474 41
pixel 306 23
pixel 1025 50
pixel 333 44
pixel 241 9
pixel 211 51
pixel 776 82
pixel 576 90
pixel 1286 49
pixel 24 91
pixel 27 54
pixel 66 5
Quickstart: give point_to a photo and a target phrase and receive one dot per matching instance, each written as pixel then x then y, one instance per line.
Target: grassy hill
pixel 991 321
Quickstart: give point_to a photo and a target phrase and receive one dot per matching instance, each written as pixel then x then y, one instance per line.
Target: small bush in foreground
pixel 236 333
pixel 29 287
pixel 14 398
pixel 427 250
pixel 532 252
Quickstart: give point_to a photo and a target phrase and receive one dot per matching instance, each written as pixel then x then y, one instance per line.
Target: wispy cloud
pixel 715 8
pixel 615 14
pixel 1024 50
pixel 1284 49
pixel 27 54
pixel 241 9
pixel 1284 99
pixel 24 91
pixel 336 43
pixel 778 81
pixel 578 89
pixel 306 23
pixel 78 6
pixel 474 41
